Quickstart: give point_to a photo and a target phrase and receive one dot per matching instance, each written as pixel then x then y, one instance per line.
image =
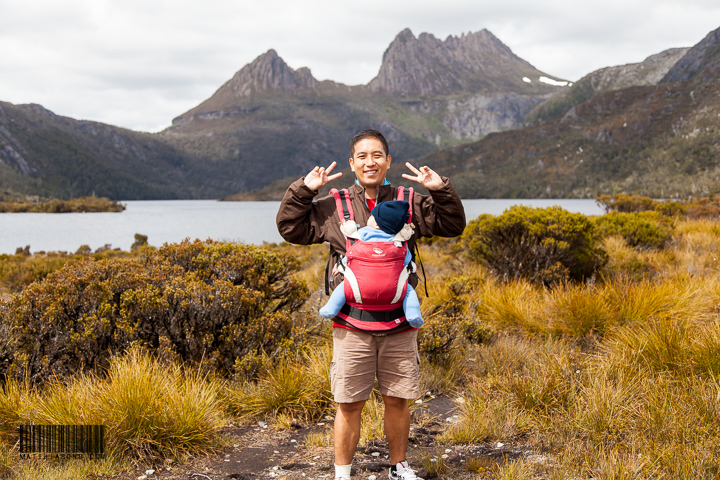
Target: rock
pixel 474 62
pixel 702 56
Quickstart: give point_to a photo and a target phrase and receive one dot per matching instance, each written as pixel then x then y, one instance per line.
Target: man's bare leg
pixel 347 431
pixel 397 427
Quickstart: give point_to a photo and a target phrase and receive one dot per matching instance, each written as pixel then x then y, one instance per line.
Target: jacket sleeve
pixel 440 213
pixel 301 220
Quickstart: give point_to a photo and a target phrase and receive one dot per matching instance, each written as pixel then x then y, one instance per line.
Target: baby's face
pixel 372 223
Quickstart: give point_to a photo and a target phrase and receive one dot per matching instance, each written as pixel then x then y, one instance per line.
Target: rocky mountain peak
pixel 703 57
pixel 474 62
pixel 266 73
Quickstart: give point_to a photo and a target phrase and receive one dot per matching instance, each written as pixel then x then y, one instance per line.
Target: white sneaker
pixel 402 471
pixel 341 477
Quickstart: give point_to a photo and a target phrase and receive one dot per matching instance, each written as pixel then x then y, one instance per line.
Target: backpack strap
pixel 345 211
pixel 416 254
pixel 342 203
pixel 402 191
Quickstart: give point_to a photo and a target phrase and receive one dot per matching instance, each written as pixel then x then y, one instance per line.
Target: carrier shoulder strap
pixel 402 191
pixel 344 209
pixel 345 213
pixel 342 202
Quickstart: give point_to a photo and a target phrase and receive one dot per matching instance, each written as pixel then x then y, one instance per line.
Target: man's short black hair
pixel 369 133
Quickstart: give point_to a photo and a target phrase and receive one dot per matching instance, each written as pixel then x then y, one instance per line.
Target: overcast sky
pixel 140 63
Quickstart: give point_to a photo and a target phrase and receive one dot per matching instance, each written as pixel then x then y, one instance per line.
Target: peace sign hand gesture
pixel 318 177
pixel 425 177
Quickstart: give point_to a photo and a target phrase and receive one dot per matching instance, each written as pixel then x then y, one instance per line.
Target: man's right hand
pixel 318 177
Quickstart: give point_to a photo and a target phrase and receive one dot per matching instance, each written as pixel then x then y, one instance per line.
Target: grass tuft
pixel 297 386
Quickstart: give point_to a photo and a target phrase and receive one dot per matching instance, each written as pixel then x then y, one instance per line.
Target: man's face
pixel 370 163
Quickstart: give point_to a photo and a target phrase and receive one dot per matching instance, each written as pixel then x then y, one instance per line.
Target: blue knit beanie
pixel 392 216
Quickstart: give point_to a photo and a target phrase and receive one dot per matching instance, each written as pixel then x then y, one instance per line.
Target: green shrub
pixel 197 301
pixel 20 270
pixel 637 203
pixel 545 245
pixel 643 229
pixel 671 208
pixel 626 203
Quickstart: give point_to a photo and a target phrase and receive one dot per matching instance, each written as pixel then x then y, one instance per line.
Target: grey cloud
pixel 139 64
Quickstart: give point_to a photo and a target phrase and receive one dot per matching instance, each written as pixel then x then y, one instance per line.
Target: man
pixel 359 356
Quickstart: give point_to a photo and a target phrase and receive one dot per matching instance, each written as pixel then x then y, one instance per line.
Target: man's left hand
pixel 425 177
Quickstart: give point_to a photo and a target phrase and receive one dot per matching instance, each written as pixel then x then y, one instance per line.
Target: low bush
pixel 82 204
pixel 20 270
pixel 707 207
pixel 197 301
pixel 622 202
pixel 450 322
pixel 643 229
pixel 637 203
pixel 544 245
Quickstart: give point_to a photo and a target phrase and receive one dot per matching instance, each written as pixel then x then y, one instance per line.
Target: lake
pixel 168 221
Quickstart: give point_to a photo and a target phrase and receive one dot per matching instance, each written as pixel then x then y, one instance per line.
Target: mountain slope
pixel 43 153
pixel 649 72
pixel 661 141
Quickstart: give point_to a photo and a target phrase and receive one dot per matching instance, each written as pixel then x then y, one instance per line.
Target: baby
pixel 386 220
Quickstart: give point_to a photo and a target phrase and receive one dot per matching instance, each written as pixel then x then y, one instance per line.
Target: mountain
pixel 46 154
pixel 649 72
pixel 270 121
pixel 467 106
pixel 473 63
pixel 658 140
pixel 701 63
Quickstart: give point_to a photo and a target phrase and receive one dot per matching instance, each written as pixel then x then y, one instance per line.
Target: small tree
pixel 545 245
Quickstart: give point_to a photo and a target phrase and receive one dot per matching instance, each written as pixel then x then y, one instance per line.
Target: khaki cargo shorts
pixel 359 357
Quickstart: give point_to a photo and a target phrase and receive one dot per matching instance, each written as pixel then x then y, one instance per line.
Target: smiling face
pixel 370 163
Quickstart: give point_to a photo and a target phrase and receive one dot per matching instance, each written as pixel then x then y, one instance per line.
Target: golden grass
pixel 373 414
pixel 434 465
pixel 151 409
pixel 296 385
pixel 511 306
pixel 63 470
pixel 320 439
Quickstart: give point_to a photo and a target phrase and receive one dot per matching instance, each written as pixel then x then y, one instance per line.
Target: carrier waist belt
pixel 372 316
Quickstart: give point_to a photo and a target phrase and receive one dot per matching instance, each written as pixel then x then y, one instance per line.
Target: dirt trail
pixel 260 451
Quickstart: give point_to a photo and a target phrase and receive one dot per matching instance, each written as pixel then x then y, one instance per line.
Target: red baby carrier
pixel 376 277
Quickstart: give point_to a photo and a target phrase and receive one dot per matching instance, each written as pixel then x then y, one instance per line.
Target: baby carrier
pixel 376 277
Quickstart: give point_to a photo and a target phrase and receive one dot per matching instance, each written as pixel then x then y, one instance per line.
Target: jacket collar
pixel 385 192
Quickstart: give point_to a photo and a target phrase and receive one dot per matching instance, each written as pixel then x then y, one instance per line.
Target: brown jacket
pixel 304 221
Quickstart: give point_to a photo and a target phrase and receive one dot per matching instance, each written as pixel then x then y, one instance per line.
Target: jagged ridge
pixel 472 63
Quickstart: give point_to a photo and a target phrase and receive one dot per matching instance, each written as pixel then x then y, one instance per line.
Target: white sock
pixel 342 470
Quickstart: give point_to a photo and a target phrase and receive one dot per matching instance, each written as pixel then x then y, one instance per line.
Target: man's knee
pixel 351 409
pixel 395 403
